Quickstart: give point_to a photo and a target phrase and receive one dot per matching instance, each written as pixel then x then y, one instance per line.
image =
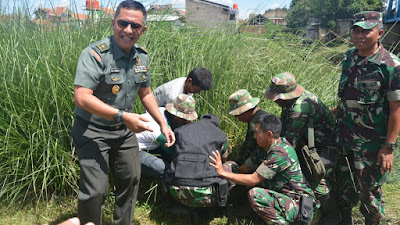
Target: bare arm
pixel 385 155
pixel 150 103
pixel 242 179
pixel 85 99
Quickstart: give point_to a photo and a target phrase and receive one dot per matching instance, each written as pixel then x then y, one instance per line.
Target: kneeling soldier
pixel 279 181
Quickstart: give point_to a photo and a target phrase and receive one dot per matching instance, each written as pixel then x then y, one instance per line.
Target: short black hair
pixel 134 5
pixel 201 77
pixel 270 122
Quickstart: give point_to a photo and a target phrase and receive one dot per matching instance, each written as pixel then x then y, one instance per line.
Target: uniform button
pixel 129 81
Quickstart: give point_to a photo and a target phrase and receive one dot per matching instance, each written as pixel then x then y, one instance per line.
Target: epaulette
pixel 141 48
pixel 103 47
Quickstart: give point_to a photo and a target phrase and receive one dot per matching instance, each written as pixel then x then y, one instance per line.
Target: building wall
pixel 343 26
pixel 206 15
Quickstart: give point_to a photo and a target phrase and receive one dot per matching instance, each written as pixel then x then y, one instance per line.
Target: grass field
pixel 38 167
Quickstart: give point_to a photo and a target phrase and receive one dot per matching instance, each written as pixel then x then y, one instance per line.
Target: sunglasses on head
pixel 124 24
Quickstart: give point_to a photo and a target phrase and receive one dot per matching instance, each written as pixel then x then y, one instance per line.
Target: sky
pixel 245 6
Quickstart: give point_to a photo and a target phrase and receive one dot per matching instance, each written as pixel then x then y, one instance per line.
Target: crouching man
pixel 280 184
pixel 191 180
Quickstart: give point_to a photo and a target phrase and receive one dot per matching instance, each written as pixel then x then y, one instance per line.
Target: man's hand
pixel 169 135
pixel 217 162
pixel 134 122
pixel 74 221
pixel 385 159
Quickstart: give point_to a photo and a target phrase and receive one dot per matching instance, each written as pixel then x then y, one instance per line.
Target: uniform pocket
pixel 190 166
pixel 114 78
pixel 370 91
pixel 141 77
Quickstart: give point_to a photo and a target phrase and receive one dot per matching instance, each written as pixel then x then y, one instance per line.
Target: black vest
pixel 194 143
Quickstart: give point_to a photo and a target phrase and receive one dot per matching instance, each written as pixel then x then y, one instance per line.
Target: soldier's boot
pixel 347 218
pixel 330 210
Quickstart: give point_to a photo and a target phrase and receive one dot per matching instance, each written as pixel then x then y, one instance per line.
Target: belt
pixel 109 128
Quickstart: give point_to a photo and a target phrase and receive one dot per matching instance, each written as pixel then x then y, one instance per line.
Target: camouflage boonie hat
pixel 241 101
pixel 284 86
pixel 367 19
pixel 184 107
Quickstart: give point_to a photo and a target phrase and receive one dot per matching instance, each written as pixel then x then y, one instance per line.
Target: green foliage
pixel 327 11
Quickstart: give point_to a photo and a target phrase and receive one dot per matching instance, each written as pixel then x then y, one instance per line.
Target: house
pixel 256 20
pixel 277 16
pixel 208 14
pixel 54 16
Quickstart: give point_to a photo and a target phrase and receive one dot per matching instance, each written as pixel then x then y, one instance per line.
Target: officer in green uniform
pixel 109 74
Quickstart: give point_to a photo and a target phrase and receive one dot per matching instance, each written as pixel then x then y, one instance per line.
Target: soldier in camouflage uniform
pixel 244 108
pixel 368 118
pixel 279 181
pixel 295 102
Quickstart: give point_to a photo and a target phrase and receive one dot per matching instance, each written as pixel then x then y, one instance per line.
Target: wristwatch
pixel 391 145
pixel 118 117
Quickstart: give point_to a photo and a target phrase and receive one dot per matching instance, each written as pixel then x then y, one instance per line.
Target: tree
pixel 327 11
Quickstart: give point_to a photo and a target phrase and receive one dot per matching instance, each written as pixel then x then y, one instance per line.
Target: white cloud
pixel 274 5
pixel 63 3
pixel 38 4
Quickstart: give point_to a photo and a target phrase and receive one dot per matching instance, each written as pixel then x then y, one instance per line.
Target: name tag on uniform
pixel 140 69
pixel 114 70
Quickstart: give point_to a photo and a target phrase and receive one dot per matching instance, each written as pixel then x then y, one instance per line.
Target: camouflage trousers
pixel 360 179
pixel 194 196
pixel 199 196
pixel 273 207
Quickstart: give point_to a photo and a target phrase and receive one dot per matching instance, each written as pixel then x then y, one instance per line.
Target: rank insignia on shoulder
pixel 103 47
pixel 96 55
pixel 141 48
pixel 140 69
pixel 115 89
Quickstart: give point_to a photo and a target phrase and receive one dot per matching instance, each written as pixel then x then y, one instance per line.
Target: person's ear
pixel 143 30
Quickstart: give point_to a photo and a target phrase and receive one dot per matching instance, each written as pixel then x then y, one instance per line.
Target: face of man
pixel 128 27
pixel 261 137
pixel 244 117
pixel 365 41
pixel 190 88
pixel 284 103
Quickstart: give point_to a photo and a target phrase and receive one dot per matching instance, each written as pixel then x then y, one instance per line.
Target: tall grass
pixel 38 68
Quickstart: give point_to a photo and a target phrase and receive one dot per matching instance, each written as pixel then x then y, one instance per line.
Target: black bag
pixel 312 163
pixel 306 210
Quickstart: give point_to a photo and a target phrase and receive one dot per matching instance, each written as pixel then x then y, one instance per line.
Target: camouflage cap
pixel 284 86
pixel 184 107
pixel 367 19
pixel 241 101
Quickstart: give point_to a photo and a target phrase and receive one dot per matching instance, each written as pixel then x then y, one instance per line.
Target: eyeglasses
pixel 124 24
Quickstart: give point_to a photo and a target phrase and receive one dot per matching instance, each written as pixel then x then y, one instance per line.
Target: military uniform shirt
pixel 367 85
pixel 114 76
pixel 295 122
pixel 281 169
pixel 250 143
